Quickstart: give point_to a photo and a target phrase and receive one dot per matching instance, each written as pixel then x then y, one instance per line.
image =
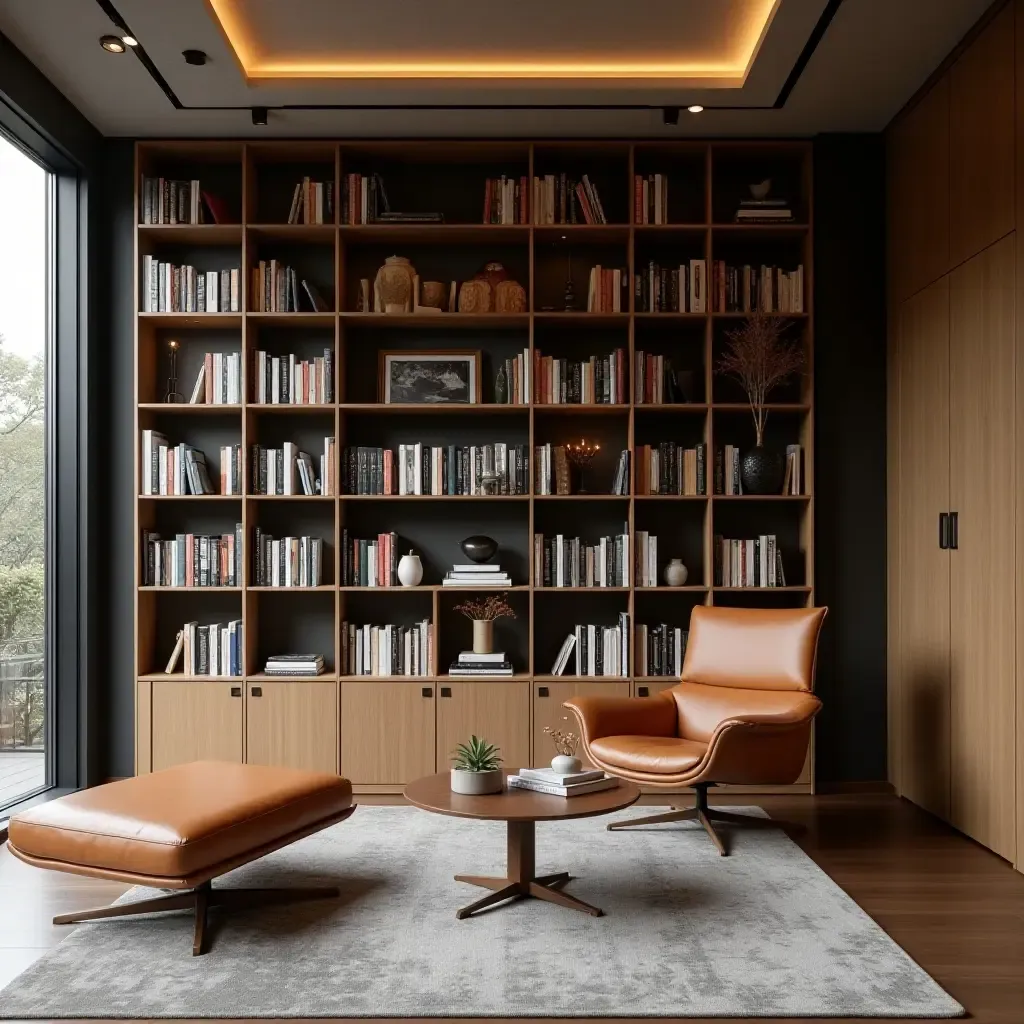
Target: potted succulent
pixel 759 357
pixel 565 761
pixel 476 768
pixel 483 612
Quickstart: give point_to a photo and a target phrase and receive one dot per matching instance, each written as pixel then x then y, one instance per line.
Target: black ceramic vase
pixel 761 471
pixel 479 548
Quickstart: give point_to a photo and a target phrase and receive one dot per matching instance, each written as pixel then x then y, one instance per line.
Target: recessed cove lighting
pixel 112 44
pixel 129 40
pixel 695 108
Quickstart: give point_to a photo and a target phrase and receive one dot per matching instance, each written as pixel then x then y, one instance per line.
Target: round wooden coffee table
pixel 521 810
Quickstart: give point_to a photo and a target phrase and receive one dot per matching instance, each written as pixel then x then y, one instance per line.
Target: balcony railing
pixel 22 694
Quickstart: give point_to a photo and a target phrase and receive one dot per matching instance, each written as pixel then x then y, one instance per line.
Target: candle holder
pixel 581 453
pixel 173 395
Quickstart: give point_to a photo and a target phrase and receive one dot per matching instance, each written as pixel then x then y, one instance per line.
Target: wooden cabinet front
pixel 196 721
pixel 294 725
pixel 496 711
pixel 549 713
pixel 387 735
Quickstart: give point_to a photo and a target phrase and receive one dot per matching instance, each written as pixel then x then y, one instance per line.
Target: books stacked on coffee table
pixel 545 780
pixel 469 663
pixel 294 665
pixel 475 575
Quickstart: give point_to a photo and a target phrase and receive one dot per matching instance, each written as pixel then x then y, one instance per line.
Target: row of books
pixel 650 199
pixel 312 202
pixel 369 563
pixel 655 381
pixel 598 650
pixel 552 472
pixel 660 650
pixel 289 380
pixel 497 468
pixel 275 289
pixel 219 381
pixel 172 469
pixel 646 545
pixel 545 780
pixel 179 201
pixel 679 289
pixel 746 289
pixel 517 375
pixel 389 650
pixel 213 650
pixel 173 288
pixel 559 199
pixel 561 561
pixel 506 201
pixel 364 200
pixel 756 562
pixel 607 290
pixel 287 470
pixel 192 560
pixel 286 562
pixel 596 380
pixel 671 468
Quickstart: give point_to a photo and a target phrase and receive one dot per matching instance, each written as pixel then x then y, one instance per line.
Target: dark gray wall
pixel 849 472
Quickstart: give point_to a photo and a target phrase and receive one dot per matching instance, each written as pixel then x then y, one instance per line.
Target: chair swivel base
pixel 704 814
pixel 199 900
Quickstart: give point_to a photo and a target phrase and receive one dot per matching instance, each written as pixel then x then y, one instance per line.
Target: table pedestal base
pixel 520 881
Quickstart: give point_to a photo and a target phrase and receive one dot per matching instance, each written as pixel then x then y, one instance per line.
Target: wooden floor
pixel 21 772
pixel 957 909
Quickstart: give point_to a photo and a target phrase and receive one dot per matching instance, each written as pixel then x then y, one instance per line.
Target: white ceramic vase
pixel 410 570
pixel 676 573
pixel 477 783
pixel 563 764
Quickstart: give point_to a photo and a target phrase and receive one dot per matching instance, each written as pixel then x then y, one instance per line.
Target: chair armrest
pixel 624 716
pixel 801 710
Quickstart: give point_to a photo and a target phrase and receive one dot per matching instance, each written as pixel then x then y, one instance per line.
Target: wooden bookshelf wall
pixel 388 730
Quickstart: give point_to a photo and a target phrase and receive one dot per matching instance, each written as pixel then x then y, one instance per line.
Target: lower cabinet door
pixel 387 732
pixel 649 687
pixel 549 713
pixel 292 725
pixel 494 710
pixel 196 721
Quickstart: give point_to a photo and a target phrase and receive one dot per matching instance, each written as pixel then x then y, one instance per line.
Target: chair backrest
pixel 753 648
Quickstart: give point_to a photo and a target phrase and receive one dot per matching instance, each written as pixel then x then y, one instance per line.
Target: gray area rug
pixel 686 933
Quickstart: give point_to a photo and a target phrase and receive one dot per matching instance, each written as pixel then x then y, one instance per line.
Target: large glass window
pixel 26 253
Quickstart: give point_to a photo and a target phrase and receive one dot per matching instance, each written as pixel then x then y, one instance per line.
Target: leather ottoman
pixel 179 829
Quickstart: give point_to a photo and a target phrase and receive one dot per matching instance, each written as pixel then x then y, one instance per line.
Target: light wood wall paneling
pixel 982 584
pixel 196 721
pixel 924 567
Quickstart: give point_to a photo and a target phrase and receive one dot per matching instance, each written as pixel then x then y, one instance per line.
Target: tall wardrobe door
pixel 923 723
pixel 982 575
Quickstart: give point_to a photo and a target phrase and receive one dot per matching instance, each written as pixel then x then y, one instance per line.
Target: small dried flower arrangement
pixel 487 609
pixel 565 742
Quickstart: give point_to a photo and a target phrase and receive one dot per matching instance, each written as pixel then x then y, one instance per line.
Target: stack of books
pixel 544 780
pixel 476 576
pixel 469 663
pixel 763 211
pixel 756 562
pixel 294 665
pixel 312 202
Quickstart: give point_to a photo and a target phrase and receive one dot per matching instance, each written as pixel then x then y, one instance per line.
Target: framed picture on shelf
pixel 441 377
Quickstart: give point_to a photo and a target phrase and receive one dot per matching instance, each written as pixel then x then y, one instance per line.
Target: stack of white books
pixel 476 576
pixel 546 780
pixel 469 663
pixel 294 665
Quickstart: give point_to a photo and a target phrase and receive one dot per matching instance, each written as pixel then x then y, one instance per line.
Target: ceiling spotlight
pixel 112 44
pixel 194 57
pixel 129 40
pixel 670 115
pixel 259 116
pixel 695 108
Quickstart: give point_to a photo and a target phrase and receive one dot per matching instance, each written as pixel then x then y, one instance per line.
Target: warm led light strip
pixel 235 32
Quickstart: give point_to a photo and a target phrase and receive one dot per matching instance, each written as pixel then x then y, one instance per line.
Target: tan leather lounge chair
pixel 740 714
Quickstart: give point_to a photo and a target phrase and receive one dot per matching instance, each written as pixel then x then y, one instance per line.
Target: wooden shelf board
pixel 290 497
pixel 263 677
pixel 581 590
pixel 290 407
pixel 292 319
pixel 391 321
pixel 785 229
pixel 762 590
pixel 191 234
pixel 689 589
pixel 732 315
pixel 680 408
pixel 190 497
pixel 581 318
pixel 189 408
pixel 326 588
pixel 581 234
pixel 580 409
pixel 572 676
pixel 181 677
pixel 191 590
pixel 761 497
pixel 671 497
pixel 670 316
pixel 435 497
pixel 770 406
pixel 192 321
pixel 429 588
pixel 440 409
pixel 670 229
pixel 581 497
pixel 445 234
pixel 323 233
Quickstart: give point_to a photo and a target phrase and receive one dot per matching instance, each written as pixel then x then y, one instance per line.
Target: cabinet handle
pixel 542 691
pixel 446 691
pixel 643 691
pixel 954 530
pixel 257 691
pixel 943 530
pixel 236 691
pixel 427 691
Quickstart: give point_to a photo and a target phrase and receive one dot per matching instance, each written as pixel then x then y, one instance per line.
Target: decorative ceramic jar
pixel 393 286
pixel 509 297
pixel 493 273
pixel 563 764
pixel 483 636
pixel 434 294
pixel 410 570
pixel 477 783
pixel 479 548
pixel 676 573
pixel 761 471
pixel 476 297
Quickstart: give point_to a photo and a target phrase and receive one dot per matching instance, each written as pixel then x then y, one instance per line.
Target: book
pixel 472 658
pixel 176 653
pixel 552 789
pixel 480 670
pixel 476 567
pixel 562 658
pixel 550 776
pixel 316 300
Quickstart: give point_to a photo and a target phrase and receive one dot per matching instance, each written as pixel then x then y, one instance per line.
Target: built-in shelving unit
pixel 352 724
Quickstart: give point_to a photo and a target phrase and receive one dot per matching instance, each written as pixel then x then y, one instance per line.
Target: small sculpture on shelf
pixel 479 548
pixel 410 570
pixel 434 295
pixel 393 287
pixel 173 395
pixel 581 453
pixel 676 573
pixel 492 291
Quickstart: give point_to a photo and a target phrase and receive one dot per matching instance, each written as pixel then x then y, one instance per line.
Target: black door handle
pixel 542 691
pixel 643 691
pixel 257 691
pixel 943 530
pixel 446 691
pixel 236 691
pixel 954 530
pixel 427 691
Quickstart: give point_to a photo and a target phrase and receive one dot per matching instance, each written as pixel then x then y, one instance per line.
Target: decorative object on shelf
pixel 410 570
pixel 761 189
pixel 493 273
pixel 363 300
pixel 476 297
pixel 483 611
pixel 479 548
pixel 760 358
pixel 434 295
pixel 430 378
pixel 688 388
pixel 676 573
pixel 173 394
pixel 393 290
pixel 489 483
pixel 417 305
pixel 476 770
pixel 760 209
pixel 570 290
pixel 501 386
pixel 581 453
pixel 565 761
pixel 509 297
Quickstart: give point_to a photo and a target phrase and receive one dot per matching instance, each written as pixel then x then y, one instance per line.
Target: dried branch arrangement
pixel 565 742
pixel 489 608
pixel 760 358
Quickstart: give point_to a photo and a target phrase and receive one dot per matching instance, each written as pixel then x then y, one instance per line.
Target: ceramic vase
pixel 393 286
pixel 564 764
pixel 434 294
pixel 479 548
pixel 410 570
pixel 676 573
pixel 761 471
pixel 483 636
pixel 477 783
pixel 476 297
